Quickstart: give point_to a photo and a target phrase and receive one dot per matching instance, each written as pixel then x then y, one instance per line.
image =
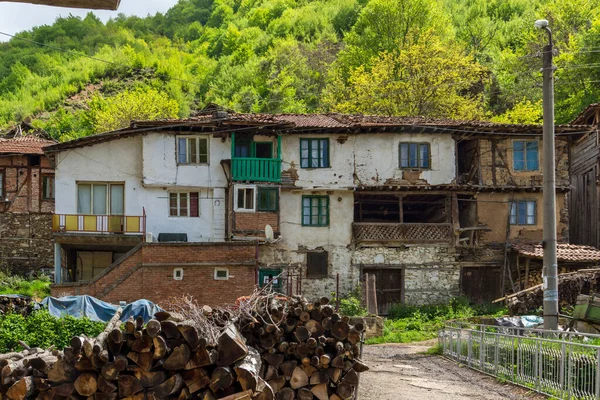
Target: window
pixel 35 161
pixel 183 204
pixel 244 198
pixel 192 150
pixel 178 274
pixel 415 155
pixel 316 264
pixel 246 148
pixel 267 199
pixel 523 213
pixel 47 187
pixel 315 210
pixel 221 274
pixel 525 155
pixel 100 198
pixel 314 153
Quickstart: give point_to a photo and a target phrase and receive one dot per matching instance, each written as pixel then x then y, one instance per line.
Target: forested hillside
pixel 466 59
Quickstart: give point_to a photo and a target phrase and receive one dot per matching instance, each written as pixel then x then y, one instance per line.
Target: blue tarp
pixel 98 310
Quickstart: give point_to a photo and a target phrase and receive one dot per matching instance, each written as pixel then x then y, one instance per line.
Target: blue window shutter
pixel 513 213
pixel 522 212
pixel 182 151
pixel 403 155
pixel 424 155
pixel 519 155
pixel 324 153
pixel 412 154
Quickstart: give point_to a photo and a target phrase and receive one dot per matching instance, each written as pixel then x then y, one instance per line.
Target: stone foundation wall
pixel 431 273
pixel 26 244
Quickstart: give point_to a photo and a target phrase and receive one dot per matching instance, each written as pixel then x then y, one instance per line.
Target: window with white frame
pixel 184 204
pixel 221 274
pixel 100 198
pixel 245 197
pixel 192 150
pixel 523 212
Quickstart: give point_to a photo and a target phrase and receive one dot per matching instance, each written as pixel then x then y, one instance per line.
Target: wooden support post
pixel 526 273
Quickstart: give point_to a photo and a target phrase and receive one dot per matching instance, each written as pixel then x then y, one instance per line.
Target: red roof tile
pixel 564 252
pixel 24 145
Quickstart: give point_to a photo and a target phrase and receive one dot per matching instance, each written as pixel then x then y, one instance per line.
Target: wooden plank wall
pixel 584 202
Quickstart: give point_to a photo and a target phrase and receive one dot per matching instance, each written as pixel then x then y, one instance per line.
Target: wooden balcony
pixel 124 224
pixel 256 169
pixel 403 233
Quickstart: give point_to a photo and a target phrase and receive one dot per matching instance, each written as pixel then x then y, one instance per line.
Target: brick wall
pixel 253 224
pixel 147 272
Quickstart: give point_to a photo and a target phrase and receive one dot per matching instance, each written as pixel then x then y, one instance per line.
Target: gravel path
pixel 399 372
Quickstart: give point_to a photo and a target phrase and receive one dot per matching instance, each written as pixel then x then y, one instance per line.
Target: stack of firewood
pixel 15 305
pixel 267 348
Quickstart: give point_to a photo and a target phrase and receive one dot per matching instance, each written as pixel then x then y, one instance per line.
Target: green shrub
pixel 40 329
pixel 351 304
pixel 13 284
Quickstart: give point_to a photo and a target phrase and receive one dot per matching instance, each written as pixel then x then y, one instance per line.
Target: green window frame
pixel 268 199
pixel 314 153
pixel 315 210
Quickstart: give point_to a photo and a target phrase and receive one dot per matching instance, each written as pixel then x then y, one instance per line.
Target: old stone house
pixel 26 201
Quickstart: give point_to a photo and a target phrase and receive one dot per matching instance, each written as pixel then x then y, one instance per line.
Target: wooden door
pixel 481 284
pixel 390 287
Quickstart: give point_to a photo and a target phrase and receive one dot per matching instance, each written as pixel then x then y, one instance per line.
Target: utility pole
pixel 550 269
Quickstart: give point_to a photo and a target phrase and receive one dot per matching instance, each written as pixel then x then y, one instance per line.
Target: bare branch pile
pixel 267 348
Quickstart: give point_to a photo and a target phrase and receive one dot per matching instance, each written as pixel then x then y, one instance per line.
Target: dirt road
pixel 399 372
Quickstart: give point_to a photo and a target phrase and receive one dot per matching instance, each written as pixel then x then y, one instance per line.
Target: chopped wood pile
pixel 570 285
pixel 267 348
pixel 15 305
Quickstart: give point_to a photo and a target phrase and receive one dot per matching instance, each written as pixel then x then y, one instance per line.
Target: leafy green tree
pixel 429 78
pixel 142 104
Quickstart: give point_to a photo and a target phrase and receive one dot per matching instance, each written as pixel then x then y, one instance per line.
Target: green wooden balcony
pixel 256 169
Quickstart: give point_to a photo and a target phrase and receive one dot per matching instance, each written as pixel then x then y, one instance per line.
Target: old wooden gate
pixel 481 284
pixel 390 287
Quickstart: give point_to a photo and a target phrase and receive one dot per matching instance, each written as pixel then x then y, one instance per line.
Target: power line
pixel 90 57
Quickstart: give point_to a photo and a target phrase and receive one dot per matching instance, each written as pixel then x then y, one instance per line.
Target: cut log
pixel 277 383
pixel 129 385
pixel 160 347
pixel 345 391
pixel 359 366
pixel 351 378
pixel 169 387
pixel 222 378
pixel 105 396
pixel 304 394
pixel 63 390
pixel 184 394
pixel 338 362
pixel 153 328
pixel 246 395
pixel 299 378
pixel 109 371
pixel 264 391
pixel 247 370
pixel 334 374
pixel 170 330
pixel 286 394
pixel 319 377
pixel 320 391
pixel 86 384
pixel 288 368
pixel 62 371
pixel 302 333
pixel 196 379
pixel 231 346
pixel 178 358
pixel 149 379
pixel 271 373
pixel 190 334
pixel 143 360
pixel 105 386
pixel 200 358
pixel 274 359
pixel 340 330
pixel 142 344
pixel 22 389
pixel 120 362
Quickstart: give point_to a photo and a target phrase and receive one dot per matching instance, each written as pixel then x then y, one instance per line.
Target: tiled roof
pixel 564 252
pixel 24 145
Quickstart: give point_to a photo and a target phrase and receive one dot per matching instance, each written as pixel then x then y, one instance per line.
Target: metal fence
pixel 559 364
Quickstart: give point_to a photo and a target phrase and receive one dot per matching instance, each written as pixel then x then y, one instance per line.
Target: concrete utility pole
pixel 550 270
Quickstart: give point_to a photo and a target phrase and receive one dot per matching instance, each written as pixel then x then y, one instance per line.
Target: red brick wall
pixel 23 185
pixel 146 273
pixel 249 223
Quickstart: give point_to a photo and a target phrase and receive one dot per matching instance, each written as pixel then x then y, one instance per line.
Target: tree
pixel 141 104
pixel 429 78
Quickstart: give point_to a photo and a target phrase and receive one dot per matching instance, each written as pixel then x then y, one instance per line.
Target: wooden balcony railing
pixel 403 233
pixel 256 169
pixel 99 223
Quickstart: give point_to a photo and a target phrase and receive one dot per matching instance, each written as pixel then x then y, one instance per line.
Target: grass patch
pixel 407 324
pixel 436 350
pixel 37 288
